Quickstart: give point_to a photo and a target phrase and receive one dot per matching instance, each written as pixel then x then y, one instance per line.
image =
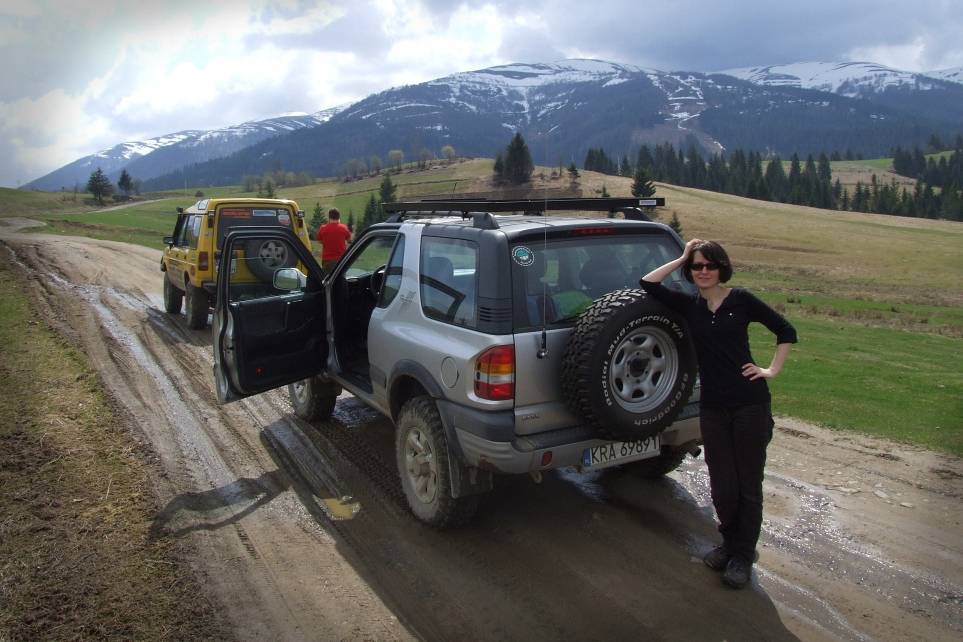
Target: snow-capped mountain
pixel 954 74
pixel 852 79
pixel 156 156
pixel 566 107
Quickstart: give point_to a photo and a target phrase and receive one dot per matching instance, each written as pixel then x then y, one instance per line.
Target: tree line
pixel 945 172
pixel 808 182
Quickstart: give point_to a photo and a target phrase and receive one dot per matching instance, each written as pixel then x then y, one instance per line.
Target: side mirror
pixel 168 240
pixel 290 279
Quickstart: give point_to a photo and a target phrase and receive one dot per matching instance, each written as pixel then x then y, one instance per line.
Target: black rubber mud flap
pixel 629 367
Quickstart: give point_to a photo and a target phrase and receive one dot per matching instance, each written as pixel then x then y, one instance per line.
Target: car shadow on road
pixel 607 557
pixel 218 502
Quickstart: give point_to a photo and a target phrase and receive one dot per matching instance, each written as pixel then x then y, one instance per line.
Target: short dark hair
pixel 334 214
pixel 713 253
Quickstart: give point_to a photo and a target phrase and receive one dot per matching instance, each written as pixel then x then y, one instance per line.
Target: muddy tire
pixel 198 306
pixel 422 453
pixel 629 367
pixel 173 298
pixel 656 467
pixel 267 256
pixel 313 399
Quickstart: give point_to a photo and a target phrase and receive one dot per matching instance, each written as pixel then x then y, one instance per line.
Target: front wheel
pixel 421 449
pixel 173 298
pixel 197 307
pixel 313 399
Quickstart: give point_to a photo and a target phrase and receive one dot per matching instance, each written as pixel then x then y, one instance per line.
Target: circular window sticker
pixel 523 256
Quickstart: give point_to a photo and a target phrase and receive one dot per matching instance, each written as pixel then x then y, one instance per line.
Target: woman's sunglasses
pixel 698 267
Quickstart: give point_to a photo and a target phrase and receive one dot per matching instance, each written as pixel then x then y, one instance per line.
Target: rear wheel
pixel 421 449
pixel 313 399
pixel 656 467
pixel 197 307
pixel 173 298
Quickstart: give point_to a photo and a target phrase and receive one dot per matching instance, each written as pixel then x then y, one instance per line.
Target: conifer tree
pixel 499 168
pixel 99 185
pixel 125 183
pixel 642 186
pixel 518 165
pixel 317 219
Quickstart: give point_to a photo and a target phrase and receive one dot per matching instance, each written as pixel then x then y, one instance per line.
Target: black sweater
pixel 722 341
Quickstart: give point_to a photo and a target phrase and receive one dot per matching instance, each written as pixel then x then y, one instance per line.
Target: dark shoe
pixel 717 558
pixel 738 572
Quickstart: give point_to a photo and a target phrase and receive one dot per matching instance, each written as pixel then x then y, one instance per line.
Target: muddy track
pixel 303 533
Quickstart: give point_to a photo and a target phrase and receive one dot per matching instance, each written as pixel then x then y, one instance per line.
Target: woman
pixel 735 405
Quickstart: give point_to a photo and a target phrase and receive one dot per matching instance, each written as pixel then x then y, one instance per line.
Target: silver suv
pixel 497 344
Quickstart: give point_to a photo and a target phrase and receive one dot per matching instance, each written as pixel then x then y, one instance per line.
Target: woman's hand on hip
pixel 754 372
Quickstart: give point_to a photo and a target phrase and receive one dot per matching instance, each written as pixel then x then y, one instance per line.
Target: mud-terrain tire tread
pixel 578 371
pixel 446 511
pixel 656 467
pixel 319 404
pixel 197 307
pixel 173 298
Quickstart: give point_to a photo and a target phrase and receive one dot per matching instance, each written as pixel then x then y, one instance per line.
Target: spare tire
pixel 629 367
pixel 266 256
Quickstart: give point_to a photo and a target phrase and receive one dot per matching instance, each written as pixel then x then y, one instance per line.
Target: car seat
pixel 600 276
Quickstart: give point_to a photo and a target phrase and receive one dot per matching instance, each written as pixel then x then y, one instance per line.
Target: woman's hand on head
pixel 688 247
pixel 753 372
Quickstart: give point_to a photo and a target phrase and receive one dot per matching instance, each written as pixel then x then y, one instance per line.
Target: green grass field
pixel 877 300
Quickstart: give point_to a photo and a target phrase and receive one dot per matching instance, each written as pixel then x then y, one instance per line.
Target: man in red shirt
pixel 333 236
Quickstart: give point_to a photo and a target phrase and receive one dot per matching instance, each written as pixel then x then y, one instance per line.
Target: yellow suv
pixel 193 254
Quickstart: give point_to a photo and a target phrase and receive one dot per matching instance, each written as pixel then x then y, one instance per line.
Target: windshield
pixel 556 280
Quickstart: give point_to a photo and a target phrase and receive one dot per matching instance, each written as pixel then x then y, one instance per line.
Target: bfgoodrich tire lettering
pixel 629 367
pixel 421 449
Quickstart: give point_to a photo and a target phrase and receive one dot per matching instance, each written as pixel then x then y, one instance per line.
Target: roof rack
pixel 481 209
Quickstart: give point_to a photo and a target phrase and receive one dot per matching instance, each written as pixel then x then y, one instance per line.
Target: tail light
pixel 495 373
pixel 203 261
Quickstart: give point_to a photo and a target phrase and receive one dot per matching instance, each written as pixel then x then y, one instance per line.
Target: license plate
pixel 620 452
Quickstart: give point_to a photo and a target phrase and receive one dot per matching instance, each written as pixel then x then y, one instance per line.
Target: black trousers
pixel 735 440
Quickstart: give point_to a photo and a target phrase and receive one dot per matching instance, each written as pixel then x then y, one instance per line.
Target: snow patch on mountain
pixel 954 74
pixel 849 79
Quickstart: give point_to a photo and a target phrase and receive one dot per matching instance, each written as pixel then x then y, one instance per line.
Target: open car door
pixel 270 321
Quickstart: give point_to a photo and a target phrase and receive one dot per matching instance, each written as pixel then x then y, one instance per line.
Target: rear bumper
pixel 493 445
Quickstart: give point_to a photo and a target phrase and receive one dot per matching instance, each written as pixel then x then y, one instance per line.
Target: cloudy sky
pixel 79 76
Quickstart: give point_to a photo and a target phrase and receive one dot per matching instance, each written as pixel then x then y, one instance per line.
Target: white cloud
pixel 93 73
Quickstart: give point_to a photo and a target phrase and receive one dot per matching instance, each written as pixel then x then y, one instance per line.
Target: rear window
pixel 230 218
pixel 555 280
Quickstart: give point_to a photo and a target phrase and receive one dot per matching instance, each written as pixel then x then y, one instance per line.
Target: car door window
pixel 184 232
pixel 194 231
pixel 372 256
pixel 448 280
pixel 392 282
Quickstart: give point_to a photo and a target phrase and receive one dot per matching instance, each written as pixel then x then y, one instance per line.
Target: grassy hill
pixel 878 300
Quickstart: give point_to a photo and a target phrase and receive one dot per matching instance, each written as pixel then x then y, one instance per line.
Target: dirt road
pixel 303 530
